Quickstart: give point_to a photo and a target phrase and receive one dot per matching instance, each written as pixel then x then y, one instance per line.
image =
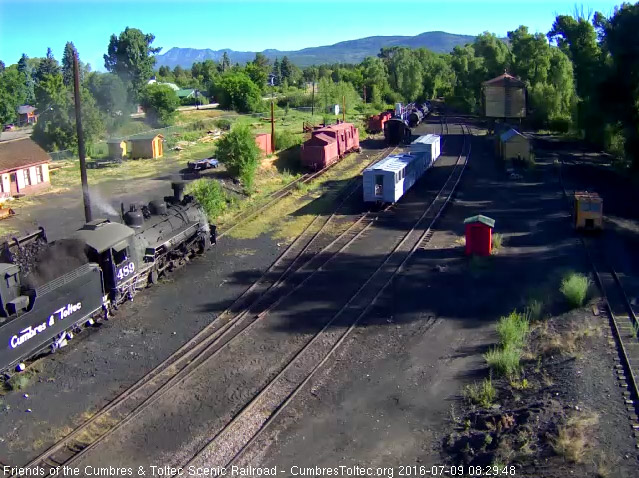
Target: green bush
pixel 160 104
pixel 198 125
pixel 286 139
pixel 504 361
pixel 513 330
pixel 482 394
pixel 560 124
pixel 241 155
pixel 210 195
pixel 575 287
pixel 223 124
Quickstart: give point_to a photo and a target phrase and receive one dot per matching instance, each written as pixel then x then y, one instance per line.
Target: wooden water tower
pixel 504 98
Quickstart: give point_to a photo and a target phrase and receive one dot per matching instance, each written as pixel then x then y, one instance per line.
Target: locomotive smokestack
pixel 178 191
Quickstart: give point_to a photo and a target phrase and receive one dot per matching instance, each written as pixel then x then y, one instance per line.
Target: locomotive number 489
pixel 125 271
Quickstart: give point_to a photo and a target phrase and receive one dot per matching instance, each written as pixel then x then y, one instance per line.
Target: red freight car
pixel 376 122
pixel 329 144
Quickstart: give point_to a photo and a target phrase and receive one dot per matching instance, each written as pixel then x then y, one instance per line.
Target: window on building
pixel 25 173
pixel 39 174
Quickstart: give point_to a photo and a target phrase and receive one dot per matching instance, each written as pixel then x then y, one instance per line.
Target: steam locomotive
pixel 47 290
pixel 398 128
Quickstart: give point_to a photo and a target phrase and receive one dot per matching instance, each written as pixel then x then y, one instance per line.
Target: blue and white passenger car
pixel 388 180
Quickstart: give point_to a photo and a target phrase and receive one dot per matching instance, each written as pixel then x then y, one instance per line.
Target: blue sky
pixel 30 26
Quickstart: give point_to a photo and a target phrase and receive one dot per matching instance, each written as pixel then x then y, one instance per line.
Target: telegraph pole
pixel 313 101
pixel 272 128
pixel 81 149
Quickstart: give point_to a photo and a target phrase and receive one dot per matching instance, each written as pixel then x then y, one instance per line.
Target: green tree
pixel 375 78
pixel 26 70
pixel 130 56
pixel 236 91
pixel 225 64
pixel 67 63
pixel 286 69
pixel 111 96
pixel 13 93
pixel 262 62
pixel 2 66
pixel 257 75
pixel 55 128
pixel 620 90
pixel 531 55
pixel 165 73
pixel 494 52
pixel 160 103
pixel 48 66
pixel 405 74
pixel 240 154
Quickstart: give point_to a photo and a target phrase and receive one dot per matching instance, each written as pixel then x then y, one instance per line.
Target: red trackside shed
pixel 263 141
pixel 479 240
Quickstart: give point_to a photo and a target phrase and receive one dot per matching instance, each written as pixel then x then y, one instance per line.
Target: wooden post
pixel 81 148
pixel 272 129
pixel 313 101
pixel 364 94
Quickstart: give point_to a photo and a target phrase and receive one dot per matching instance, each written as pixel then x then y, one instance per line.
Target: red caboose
pixel 329 144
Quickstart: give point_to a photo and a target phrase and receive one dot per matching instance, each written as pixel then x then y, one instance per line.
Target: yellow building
pixel 146 145
pixel 504 97
pixel 588 211
pixel 514 145
pixel 117 148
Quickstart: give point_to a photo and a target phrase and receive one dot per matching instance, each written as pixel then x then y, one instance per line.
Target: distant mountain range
pixel 352 51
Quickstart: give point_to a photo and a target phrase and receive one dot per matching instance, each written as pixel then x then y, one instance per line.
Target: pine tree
pixel 226 62
pixel 67 63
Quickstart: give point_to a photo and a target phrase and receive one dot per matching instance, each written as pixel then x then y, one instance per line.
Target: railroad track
pixel 252 305
pixel 623 320
pixel 275 197
pixel 246 427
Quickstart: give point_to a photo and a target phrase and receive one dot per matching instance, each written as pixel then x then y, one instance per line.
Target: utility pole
pixel 81 149
pixel 364 94
pixel 272 128
pixel 313 101
pixel 343 108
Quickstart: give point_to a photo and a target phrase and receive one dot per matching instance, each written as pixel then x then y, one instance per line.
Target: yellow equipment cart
pixel 588 211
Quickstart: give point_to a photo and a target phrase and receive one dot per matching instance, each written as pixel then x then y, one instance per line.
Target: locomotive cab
pixel 109 245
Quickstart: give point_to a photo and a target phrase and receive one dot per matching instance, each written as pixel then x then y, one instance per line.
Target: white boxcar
pixel 430 145
pixel 387 180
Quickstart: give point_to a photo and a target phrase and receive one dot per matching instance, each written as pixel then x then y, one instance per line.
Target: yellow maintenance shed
pixel 146 145
pixel 117 148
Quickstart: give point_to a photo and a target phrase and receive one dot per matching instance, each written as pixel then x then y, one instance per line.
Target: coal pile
pixel 25 256
pixel 57 259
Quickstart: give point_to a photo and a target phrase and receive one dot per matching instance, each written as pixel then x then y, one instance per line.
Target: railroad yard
pixel 359 337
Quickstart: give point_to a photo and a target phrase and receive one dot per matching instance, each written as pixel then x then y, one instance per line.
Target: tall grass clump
pixel 482 394
pixel 223 124
pixel 210 195
pixel 497 242
pixel 574 288
pixel 504 361
pixel 513 330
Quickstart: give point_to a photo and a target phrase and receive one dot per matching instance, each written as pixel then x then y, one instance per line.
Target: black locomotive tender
pixel 48 290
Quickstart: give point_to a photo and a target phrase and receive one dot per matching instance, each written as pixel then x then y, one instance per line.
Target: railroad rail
pixel 213 337
pixel 228 445
pixel 623 319
pixel 274 197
